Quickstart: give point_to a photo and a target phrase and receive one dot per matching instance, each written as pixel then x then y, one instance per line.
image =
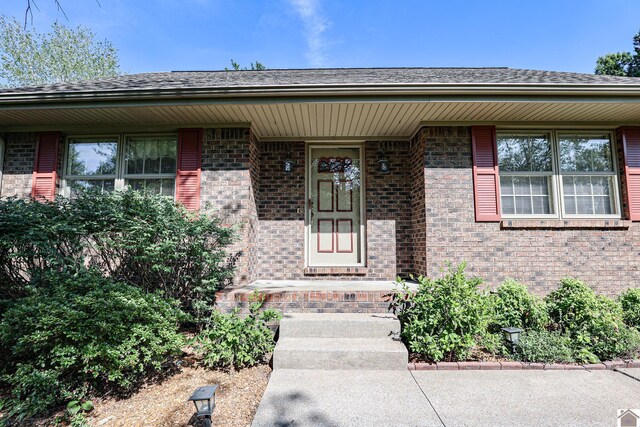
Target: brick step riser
pixel 309 301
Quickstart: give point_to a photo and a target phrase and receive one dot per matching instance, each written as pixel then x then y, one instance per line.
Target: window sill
pixel 351 271
pixel 570 224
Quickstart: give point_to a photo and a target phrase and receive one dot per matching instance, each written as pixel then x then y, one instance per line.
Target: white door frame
pixel 307 193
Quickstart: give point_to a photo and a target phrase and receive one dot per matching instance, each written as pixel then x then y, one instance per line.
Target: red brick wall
pixel 419 216
pixel 229 169
pixel 19 155
pixel 281 214
pixel 418 207
pixel 388 201
pixel 607 259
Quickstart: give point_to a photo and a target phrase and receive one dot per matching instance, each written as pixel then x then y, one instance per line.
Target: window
pixel 150 164
pixel 557 174
pixel 146 163
pixel 91 164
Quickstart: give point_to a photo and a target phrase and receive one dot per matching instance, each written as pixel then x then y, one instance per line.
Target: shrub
pixel 146 241
pixel 544 347
pixel 493 343
pixel 81 334
pixel 630 302
pixel 513 305
pixel 442 319
pixel 35 237
pixel 593 322
pixel 233 341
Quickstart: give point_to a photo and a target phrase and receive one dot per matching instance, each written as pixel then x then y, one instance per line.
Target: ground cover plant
pixel 451 317
pixel 544 347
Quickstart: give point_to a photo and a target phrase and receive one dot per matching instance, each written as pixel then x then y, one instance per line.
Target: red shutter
pixel 44 169
pixel 631 150
pixel 189 166
pixel 485 173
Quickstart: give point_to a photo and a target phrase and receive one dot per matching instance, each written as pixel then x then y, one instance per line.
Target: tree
pixel 258 66
pixel 621 63
pixel 61 55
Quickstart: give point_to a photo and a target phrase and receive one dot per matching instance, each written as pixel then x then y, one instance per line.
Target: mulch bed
pixel 165 404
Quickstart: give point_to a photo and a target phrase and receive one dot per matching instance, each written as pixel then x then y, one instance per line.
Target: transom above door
pixel 334 206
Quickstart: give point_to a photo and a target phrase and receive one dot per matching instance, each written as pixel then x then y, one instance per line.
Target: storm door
pixel 334 206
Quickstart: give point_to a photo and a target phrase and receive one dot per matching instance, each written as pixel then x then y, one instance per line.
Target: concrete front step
pixel 340 353
pixel 339 325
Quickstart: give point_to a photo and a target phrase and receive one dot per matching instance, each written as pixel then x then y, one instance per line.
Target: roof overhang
pixel 321 112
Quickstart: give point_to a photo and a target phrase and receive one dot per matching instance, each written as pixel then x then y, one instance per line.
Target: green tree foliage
pixel 621 63
pixel 61 55
pixel 258 66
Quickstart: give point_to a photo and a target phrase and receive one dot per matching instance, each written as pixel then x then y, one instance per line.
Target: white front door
pixel 334 206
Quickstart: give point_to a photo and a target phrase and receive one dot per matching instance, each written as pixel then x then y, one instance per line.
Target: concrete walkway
pixel 455 398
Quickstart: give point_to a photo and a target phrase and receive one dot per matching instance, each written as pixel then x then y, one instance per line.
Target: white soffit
pixel 322 119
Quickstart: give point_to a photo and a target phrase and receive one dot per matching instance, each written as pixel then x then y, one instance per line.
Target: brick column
pixel 228 190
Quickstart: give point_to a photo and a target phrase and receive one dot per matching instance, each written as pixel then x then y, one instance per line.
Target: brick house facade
pixel 418 216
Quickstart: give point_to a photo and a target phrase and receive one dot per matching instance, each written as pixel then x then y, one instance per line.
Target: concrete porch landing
pixel 312 296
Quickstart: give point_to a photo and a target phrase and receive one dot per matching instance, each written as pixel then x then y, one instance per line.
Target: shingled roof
pixel 327 77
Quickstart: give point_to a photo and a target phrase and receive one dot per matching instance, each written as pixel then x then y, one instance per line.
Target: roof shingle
pixel 326 77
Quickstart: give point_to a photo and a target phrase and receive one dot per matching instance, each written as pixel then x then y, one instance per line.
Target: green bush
pixel 234 341
pixel 593 322
pixel 443 318
pixel 513 305
pixel 493 343
pixel 544 347
pixel 35 237
pixel 77 335
pixel 630 302
pixel 146 241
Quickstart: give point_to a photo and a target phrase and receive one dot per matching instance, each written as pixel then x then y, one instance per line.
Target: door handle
pixel 311 208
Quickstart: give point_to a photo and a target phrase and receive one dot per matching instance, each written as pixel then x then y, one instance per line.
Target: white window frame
pixel 557 196
pixel 125 176
pixel 120 175
pixel 66 177
pixel 553 174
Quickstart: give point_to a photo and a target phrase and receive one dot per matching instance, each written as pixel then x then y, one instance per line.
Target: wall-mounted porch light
pixel 288 164
pixel 512 336
pixel 204 398
pixel 383 162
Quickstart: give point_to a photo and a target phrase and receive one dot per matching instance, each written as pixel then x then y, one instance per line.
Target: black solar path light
pixel 205 400
pixel 512 335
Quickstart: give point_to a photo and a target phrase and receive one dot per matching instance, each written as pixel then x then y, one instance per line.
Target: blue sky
pixel 165 35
